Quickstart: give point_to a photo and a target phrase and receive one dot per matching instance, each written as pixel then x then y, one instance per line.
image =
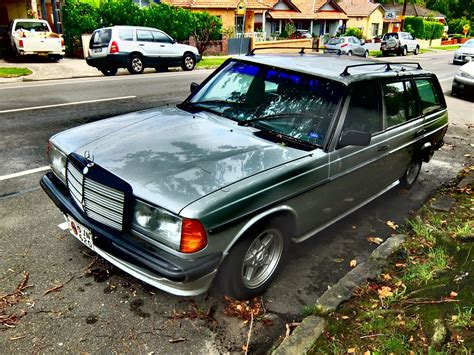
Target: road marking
pixel 68 104
pixel 23 173
pixel 70 81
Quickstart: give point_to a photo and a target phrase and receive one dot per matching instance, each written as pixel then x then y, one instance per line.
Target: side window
pixel 429 100
pixel 126 34
pixel 400 102
pixel 144 36
pixel 160 37
pixel 364 113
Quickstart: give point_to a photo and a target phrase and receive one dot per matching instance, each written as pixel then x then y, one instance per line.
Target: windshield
pixel 469 43
pixel 293 104
pixel 32 26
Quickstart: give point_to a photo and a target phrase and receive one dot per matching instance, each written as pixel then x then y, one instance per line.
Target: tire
pixel 254 261
pixel 135 64
pixel 366 54
pixel 404 51
pixel 417 50
pixel 411 174
pixel 109 71
pixel 349 53
pixel 189 62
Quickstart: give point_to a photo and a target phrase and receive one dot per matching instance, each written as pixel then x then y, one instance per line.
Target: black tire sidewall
pixel 229 276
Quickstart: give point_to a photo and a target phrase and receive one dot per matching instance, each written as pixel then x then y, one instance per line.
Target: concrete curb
pixel 304 336
pixel 11 80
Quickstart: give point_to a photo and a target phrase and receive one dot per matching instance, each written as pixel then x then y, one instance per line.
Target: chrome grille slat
pixel 100 202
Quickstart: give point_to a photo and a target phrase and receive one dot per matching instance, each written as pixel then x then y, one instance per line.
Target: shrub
pixel 415 25
pixel 206 28
pixel 456 25
pixel 433 30
pixel 354 31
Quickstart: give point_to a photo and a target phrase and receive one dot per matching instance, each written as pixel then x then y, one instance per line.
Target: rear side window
pixel 101 38
pixel 400 102
pixel 126 34
pixel 429 99
pixel 144 36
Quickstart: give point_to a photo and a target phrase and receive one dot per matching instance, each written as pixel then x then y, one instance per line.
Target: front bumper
pixel 464 86
pixel 184 277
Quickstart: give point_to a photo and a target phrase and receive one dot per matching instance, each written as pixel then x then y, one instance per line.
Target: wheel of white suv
pixel 109 71
pixel 349 53
pixel 411 174
pixel 135 64
pixel 417 50
pixel 188 62
pixel 254 261
pixel 404 51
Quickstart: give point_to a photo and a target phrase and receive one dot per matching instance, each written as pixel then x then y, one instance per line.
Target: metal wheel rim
pixel 262 258
pixel 137 64
pixel 349 54
pixel 404 51
pixel 188 62
pixel 366 54
pixel 412 172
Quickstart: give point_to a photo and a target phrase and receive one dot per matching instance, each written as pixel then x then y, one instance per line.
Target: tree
pixel 206 28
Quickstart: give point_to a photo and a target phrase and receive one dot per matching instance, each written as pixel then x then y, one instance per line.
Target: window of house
pixel 239 24
pixel 364 112
pixel 375 29
pixel 429 100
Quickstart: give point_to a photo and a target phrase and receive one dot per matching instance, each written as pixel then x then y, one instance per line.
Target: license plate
pixel 97 50
pixel 80 232
pixel 43 54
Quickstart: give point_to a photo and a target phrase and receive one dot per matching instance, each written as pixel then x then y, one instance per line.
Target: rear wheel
pixel 411 174
pixel 254 261
pixel 188 62
pixel 349 53
pixel 404 51
pixel 109 71
pixel 417 50
pixel 366 54
pixel 135 64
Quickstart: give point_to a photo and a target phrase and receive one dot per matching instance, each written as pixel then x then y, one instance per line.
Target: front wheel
pixel 349 54
pixel 366 54
pixel 411 174
pixel 135 64
pixel 109 71
pixel 254 262
pixel 404 51
pixel 188 62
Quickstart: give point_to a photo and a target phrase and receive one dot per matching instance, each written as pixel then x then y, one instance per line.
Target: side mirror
pixel 173 41
pixel 362 42
pixel 357 138
pixel 193 87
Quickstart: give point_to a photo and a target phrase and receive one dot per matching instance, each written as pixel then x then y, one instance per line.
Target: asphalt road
pixel 99 308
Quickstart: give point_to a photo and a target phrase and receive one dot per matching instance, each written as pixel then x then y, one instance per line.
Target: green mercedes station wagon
pixel 268 150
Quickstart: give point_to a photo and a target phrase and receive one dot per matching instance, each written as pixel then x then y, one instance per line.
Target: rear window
pixel 336 41
pixel 101 38
pixel 390 35
pixel 32 26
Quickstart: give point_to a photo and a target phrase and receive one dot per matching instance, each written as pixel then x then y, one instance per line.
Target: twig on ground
pixel 413 302
pixel 371 336
pixel 58 287
pixel 91 264
pixel 249 334
pixel 177 340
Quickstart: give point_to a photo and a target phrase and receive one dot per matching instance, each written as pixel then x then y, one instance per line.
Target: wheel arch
pixel 282 213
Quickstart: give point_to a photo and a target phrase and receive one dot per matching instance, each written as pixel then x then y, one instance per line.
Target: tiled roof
pixel 310 9
pixel 218 4
pixel 412 10
pixel 358 7
pixel 330 15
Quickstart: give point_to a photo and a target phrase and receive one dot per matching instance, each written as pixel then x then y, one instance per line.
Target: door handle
pixel 420 132
pixel 162 45
pixel 141 44
pixel 383 148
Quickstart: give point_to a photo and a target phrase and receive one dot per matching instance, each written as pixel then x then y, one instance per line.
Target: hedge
pixel 81 17
pixel 456 25
pixel 354 31
pixel 423 29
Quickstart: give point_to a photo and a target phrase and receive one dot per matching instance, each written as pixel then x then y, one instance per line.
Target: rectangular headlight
pixel 158 224
pixel 57 161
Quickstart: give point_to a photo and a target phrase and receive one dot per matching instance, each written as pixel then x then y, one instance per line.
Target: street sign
pixel 241 8
pixel 390 15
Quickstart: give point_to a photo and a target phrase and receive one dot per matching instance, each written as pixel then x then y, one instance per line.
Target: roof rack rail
pixel 388 66
pixel 301 49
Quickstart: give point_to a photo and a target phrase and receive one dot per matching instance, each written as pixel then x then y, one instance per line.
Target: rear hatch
pixel 335 44
pixel 99 43
pixel 389 41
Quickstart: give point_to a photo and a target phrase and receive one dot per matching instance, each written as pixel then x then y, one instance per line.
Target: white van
pixel 136 48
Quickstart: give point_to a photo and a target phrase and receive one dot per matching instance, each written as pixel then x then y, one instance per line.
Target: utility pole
pixel 402 25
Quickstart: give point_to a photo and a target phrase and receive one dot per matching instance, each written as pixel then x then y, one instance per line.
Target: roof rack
pixel 301 49
pixel 388 66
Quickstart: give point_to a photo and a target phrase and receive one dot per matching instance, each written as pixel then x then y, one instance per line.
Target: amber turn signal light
pixel 193 236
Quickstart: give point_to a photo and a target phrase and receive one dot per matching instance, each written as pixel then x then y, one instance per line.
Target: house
pixel 49 10
pixel 394 10
pixel 365 15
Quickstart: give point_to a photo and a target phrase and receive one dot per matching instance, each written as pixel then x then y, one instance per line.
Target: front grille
pixel 99 202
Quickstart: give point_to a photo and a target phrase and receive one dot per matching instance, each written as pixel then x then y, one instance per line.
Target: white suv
pixel 399 43
pixel 135 48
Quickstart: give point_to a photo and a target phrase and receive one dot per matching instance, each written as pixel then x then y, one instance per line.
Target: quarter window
pixel 429 100
pixel 126 34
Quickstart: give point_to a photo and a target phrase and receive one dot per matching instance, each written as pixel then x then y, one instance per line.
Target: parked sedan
pixel 463 82
pixel 465 53
pixel 348 45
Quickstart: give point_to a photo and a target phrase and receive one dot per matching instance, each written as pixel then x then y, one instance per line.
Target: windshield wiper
pixel 215 102
pixel 275 116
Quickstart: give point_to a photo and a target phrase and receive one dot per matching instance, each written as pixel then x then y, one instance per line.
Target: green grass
pixel 211 62
pixel 451 47
pixel 14 72
pixel 375 53
pixel 463 318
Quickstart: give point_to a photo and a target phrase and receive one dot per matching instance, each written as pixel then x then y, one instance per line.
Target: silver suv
pixel 136 48
pixel 399 43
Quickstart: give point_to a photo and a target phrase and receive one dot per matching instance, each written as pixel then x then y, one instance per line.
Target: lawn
pixel 211 62
pixel 13 72
pixel 423 302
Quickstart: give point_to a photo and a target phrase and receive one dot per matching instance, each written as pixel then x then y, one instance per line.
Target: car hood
pixel 466 50
pixel 172 158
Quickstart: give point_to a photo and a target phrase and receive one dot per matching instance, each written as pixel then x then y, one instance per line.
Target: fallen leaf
pixel 467 155
pixel 453 294
pixel 386 277
pixel 367 352
pixel 385 291
pixel 351 351
pixel 400 265
pixel 454 317
pixel 18 337
pixel 345 317
pixel 353 263
pixel 375 240
pixel 338 260
pixel 392 225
